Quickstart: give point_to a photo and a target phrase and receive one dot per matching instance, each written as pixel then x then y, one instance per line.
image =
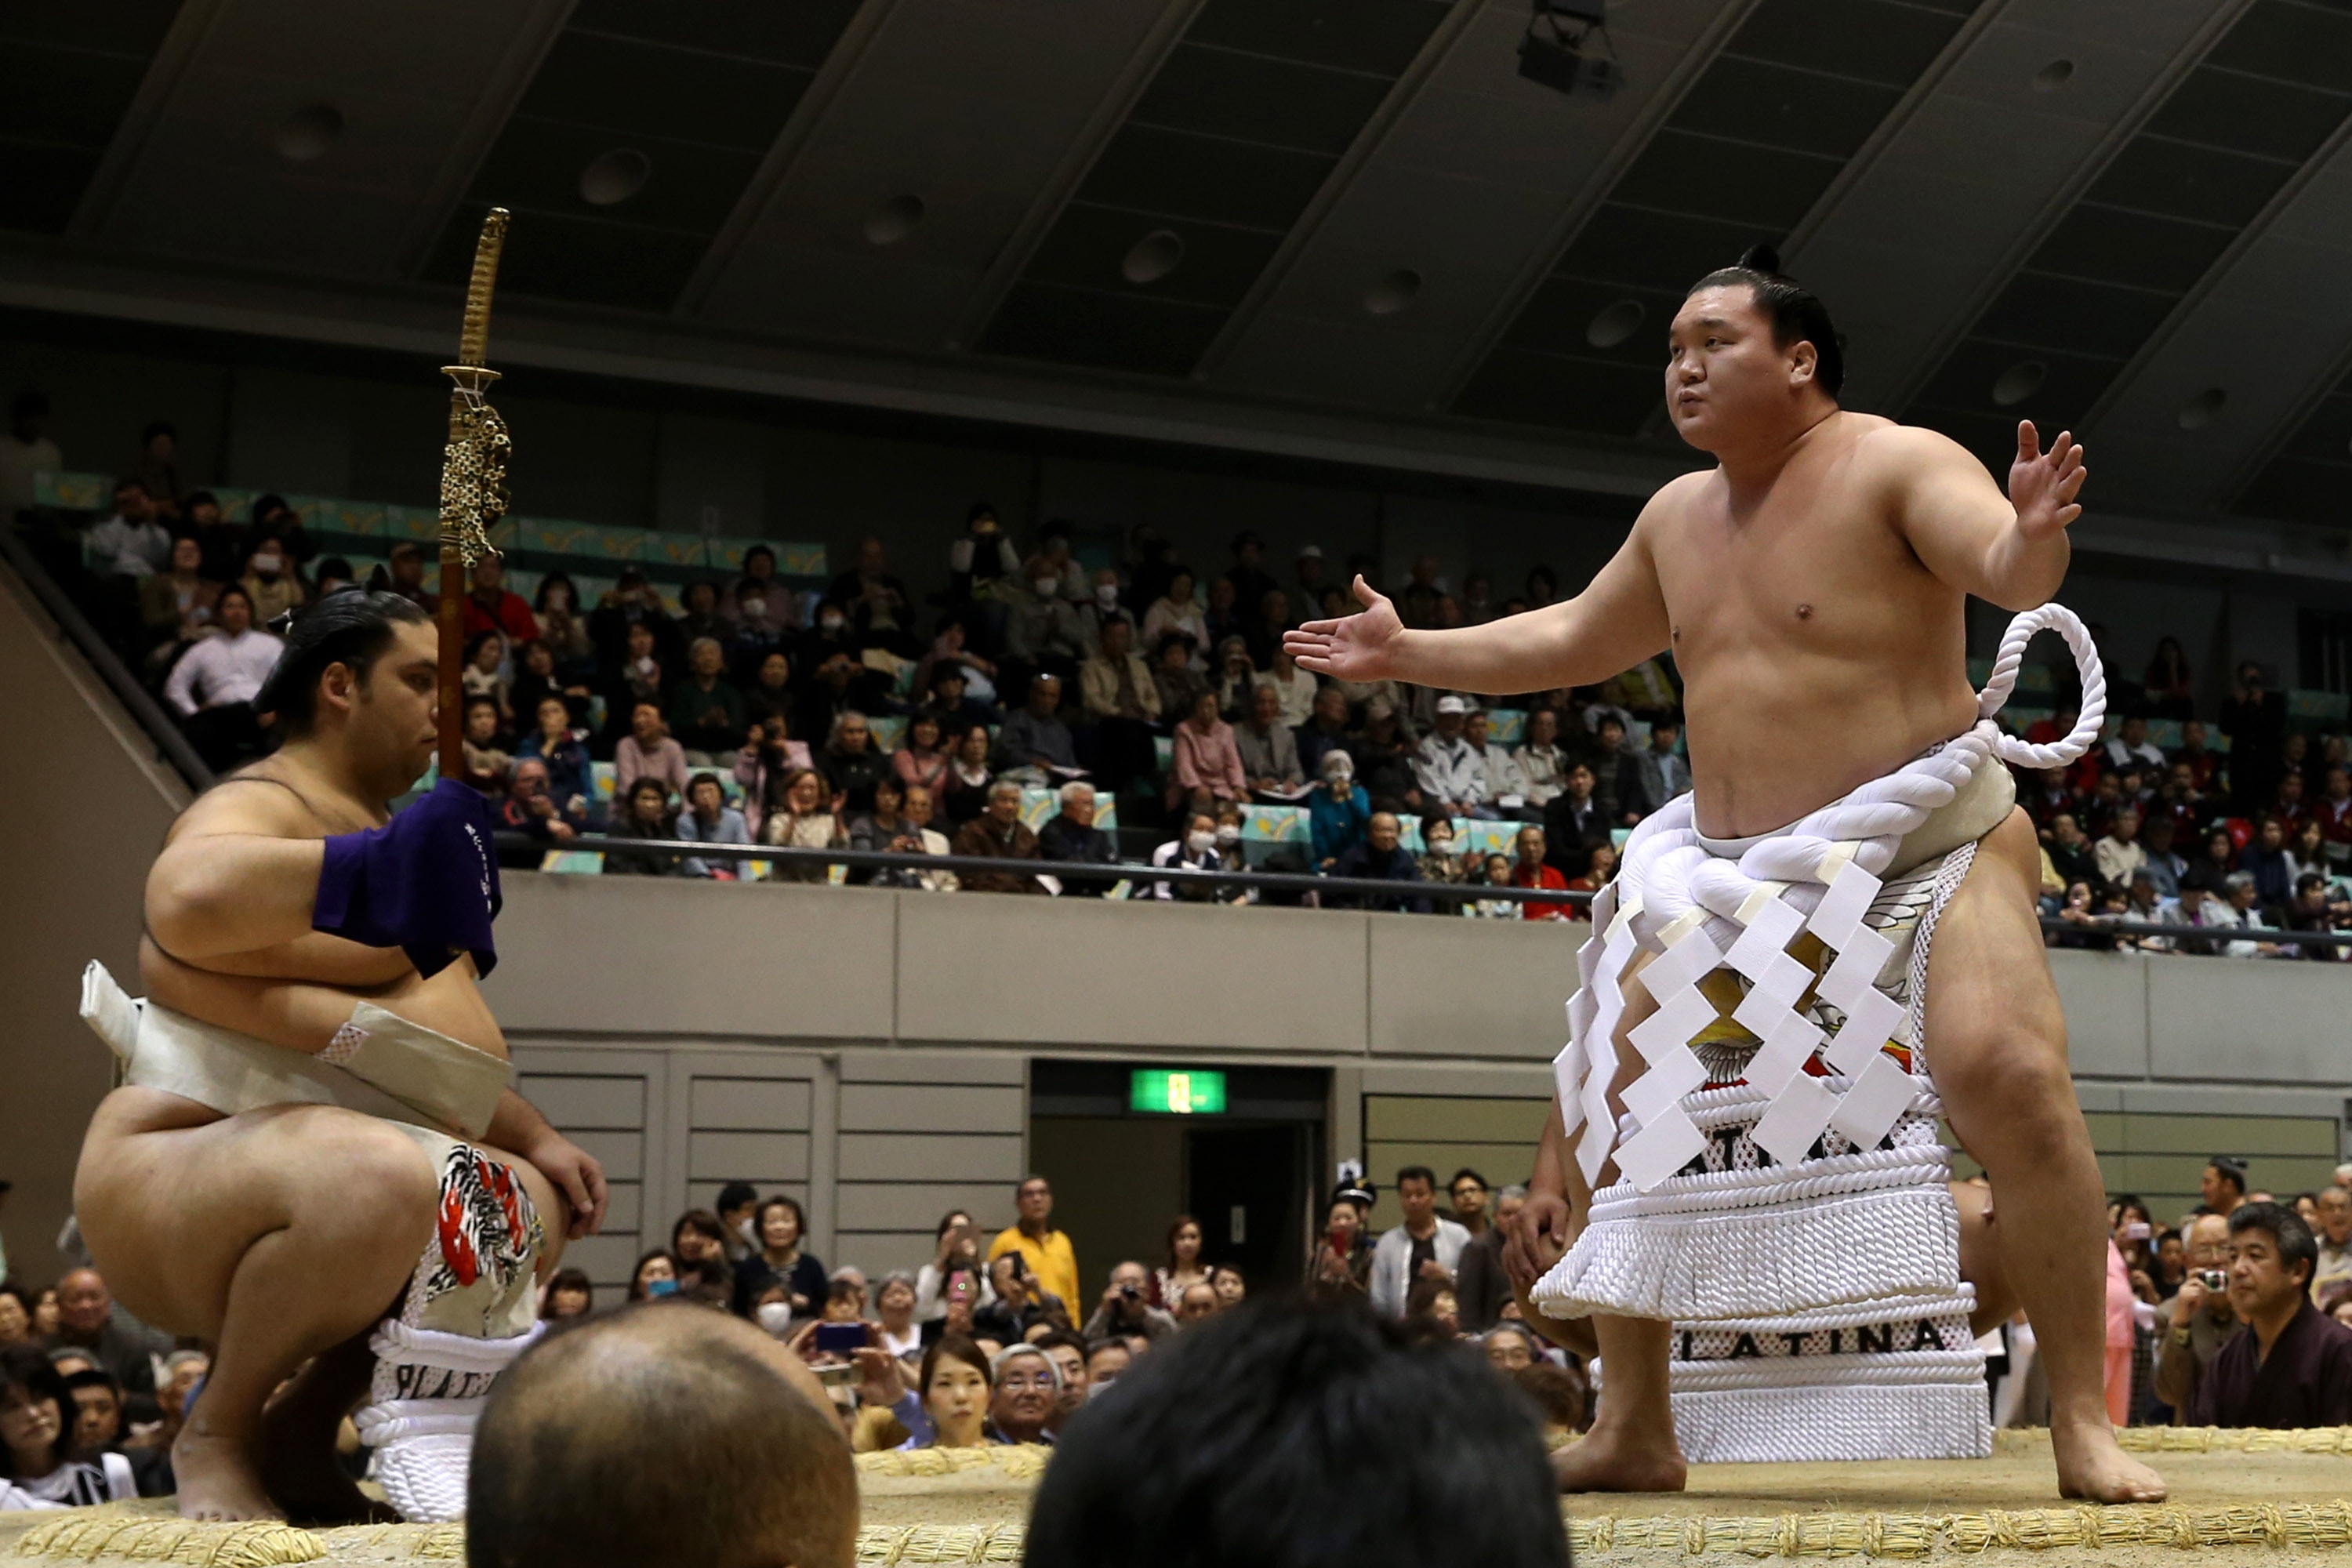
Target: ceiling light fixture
pixel 1154 256
pixel 2018 383
pixel 614 177
pixel 1615 324
pixel 2200 410
pixel 2054 76
pixel 1567 48
pixel 308 132
pixel 1393 292
pixel 895 219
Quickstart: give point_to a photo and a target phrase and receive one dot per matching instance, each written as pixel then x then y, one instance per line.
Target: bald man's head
pixel 661 1433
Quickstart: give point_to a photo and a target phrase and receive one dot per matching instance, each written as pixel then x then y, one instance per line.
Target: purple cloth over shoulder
pixel 426 882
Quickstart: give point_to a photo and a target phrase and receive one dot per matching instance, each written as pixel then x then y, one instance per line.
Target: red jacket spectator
pixel 491 608
pixel 1541 876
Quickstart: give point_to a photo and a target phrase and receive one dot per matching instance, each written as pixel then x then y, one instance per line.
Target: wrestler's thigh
pixel 1996 1038
pixel 170 1212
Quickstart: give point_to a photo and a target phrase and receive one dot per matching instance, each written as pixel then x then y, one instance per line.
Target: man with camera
pixel 1123 1309
pixel 2288 1367
pixel 2201 1317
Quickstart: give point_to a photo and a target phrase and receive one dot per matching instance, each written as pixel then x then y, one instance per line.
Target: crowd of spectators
pixel 746 715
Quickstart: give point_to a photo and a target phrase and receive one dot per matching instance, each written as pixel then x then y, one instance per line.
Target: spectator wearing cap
pixel 999 834
pixel 2288 1367
pixel 1654 776
pixel 1449 770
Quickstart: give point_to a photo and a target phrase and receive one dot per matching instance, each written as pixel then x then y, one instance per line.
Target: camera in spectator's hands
pixel 2214 1279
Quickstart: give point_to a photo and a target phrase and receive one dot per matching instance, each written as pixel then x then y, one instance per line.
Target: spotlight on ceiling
pixel 2018 383
pixel 615 177
pixel 1567 48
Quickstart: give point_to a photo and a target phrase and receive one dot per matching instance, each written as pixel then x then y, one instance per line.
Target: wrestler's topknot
pixel 351 625
pixel 1797 316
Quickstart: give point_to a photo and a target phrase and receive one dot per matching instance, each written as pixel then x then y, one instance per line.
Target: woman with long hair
pixel 923 759
pixel 655 1277
pixel 948 1407
pixel 1184 1266
pixel 561 626
pixel 645 814
pixel 2172 693
pixel 967 777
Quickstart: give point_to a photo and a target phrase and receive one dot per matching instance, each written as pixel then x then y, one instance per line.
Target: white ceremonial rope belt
pixel 1699 912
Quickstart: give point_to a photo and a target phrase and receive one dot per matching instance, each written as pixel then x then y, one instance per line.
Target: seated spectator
pixel 1196 1302
pixel 805 820
pixel 1542 766
pixel 2120 853
pixel 2267 861
pixel 1195 851
pixel 1207 765
pixel 1123 703
pixel 2130 745
pixel 1450 770
pixel 96 1414
pixel 1226 1280
pixel 965 794
pixel 923 760
pixel 699 615
pixel 1531 871
pixel 2286 1366
pixel 570 779
pixel 562 623
pixel 1338 812
pixel 1125 1307
pixel 2235 910
pixel 582 1455
pixel 1035 744
pixel 761 622
pixel 37 1419
pixel 1027 1395
pixel 529 808
pixel 654 1277
pixel 269 578
pixel 15 1313
pixel 2071 851
pixel 536 678
pixel 851 765
pixel 999 834
pixel 706 711
pixel 1384 758
pixel 768 697
pixel 2290 806
pixel 1020 1302
pixel 1041 628
pixel 709 819
pixel 213 686
pixel 920 813
pixel 648 752
pixel 1654 776
pixel 488 767
pixel 2307 852
pixel 490 606
pixel 2218 856
pixel 1296 687
pixel 1177 613
pixel 779 1260
pixel 484 674
pixel 1574 823
pixel 403 573
pixel 1175 675
pixel 948 1406
pixel 951 697
pixel 2333 812
pixel 175 605
pixel 1499 770
pixel 770 756
pixel 570 1294
pixel 1600 870
pixel 1494 872
pixel 2316 907
pixel 2164 865
pixel 1433 1305
pixel 132 544
pixel 1438 862
pixel 1289 1414
pixel 1071 835
pixel 1269 752
pixel 645 814
pixel 1381 858
pixel 1324 731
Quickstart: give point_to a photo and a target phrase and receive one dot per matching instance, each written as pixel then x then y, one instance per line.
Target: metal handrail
pixel 149 714
pixel 1280 882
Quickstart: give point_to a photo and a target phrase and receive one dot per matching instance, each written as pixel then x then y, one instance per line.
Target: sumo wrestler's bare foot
pixel 2093 1465
pixel 1611 1458
pixel 217 1476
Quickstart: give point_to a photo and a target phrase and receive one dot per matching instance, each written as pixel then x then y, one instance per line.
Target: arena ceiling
pixel 2133 219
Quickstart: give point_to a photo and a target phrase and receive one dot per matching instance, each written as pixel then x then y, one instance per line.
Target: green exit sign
pixel 1180 1093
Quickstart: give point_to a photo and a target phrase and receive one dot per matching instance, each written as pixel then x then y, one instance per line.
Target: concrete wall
pixel 90 806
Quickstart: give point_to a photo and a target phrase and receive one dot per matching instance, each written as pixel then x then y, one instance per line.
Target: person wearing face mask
pixel 1438 861
pixel 759 627
pixel 269 580
pixel 1043 631
pixel 1099 606
pixel 1196 850
pixel 1229 819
